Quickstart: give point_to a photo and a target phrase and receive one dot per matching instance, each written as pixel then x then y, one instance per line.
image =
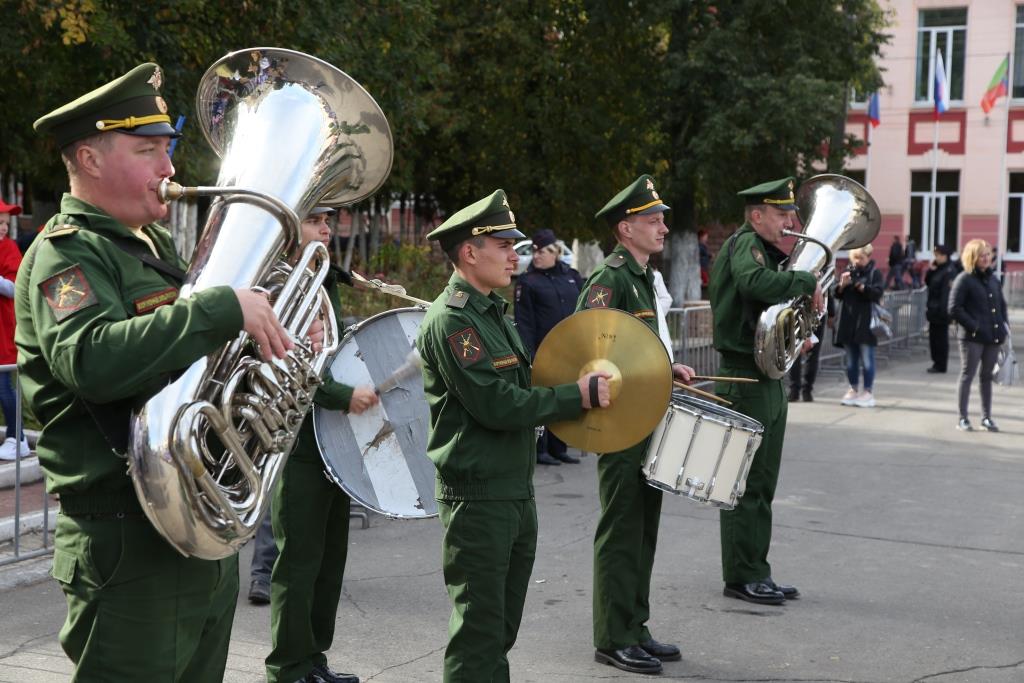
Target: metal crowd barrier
pixel 21 525
pixel 1013 289
pixel 691 329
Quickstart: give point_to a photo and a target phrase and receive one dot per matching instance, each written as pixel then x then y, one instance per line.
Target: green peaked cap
pixel 489 216
pixel 130 104
pixel 639 198
pixel 778 193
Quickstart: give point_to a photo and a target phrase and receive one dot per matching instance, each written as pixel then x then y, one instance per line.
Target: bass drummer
pixel 627 530
pixel 310 521
pixel 745 280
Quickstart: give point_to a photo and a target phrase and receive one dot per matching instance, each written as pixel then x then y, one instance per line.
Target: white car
pixel 525 251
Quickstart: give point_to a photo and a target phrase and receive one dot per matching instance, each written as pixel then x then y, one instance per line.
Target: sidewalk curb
pixel 25 572
pixel 32 521
pixel 31 472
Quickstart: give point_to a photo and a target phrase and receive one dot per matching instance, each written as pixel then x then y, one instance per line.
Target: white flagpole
pixel 933 200
pixel 867 162
pixel 1004 199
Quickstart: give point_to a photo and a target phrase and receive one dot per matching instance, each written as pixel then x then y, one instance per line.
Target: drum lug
pixel 695 484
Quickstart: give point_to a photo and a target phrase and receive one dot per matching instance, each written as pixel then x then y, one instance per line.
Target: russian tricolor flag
pixel 873 111
pixel 941 94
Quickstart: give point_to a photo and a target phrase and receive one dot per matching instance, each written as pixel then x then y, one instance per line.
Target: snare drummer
pixel 627 531
pixel 745 280
pixel 310 520
pixel 476 376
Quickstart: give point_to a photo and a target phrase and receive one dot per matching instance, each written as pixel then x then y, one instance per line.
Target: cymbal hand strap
pixel 595 400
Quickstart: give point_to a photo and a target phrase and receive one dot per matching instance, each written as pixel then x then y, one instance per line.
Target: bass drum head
pixel 380 458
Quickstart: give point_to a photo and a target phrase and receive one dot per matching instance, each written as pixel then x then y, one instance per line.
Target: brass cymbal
pixel 641 384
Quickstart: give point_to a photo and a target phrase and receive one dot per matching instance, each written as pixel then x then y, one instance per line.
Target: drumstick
pixel 409 369
pixel 715 378
pixel 705 394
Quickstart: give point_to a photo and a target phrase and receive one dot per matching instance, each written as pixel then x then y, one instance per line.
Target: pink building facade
pixel 960 176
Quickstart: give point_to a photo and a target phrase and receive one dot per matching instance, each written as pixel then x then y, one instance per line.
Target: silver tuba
pixel 838 213
pixel 292 132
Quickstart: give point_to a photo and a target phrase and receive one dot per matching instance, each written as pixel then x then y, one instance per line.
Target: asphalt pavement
pixel 905 537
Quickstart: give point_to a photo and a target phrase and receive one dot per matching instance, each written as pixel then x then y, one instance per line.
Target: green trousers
pixel 310 516
pixel 487 555
pixel 137 609
pixel 746 530
pixel 624 545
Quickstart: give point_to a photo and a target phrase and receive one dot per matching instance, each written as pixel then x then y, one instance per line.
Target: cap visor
pixel 317 210
pixel 510 234
pixel 152 130
pixel 657 208
pixel 787 207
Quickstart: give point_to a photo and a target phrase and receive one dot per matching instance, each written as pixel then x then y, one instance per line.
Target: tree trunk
pixel 681 258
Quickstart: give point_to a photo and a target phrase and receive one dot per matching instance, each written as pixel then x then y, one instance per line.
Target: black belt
pixel 114 504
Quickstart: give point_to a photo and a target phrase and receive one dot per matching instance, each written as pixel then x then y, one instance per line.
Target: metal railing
pixel 1013 289
pixel 691 329
pixel 20 524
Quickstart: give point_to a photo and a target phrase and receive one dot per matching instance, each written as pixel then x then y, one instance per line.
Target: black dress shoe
pixel 788 592
pixel 793 396
pixel 663 651
pixel 565 457
pixel 545 459
pixel 259 593
pixel 323 674
pixel 934 369
pixel 808 396
pixel 758 592
pixel 632 658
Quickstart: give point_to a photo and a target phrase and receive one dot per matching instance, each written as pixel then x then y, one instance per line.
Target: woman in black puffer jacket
pixel 976 303
pixel 859 286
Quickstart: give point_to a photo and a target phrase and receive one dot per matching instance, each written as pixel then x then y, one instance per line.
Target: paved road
pixel 905 536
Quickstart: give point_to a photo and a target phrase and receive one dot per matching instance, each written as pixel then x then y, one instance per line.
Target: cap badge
pixel 161 105
pixel 157 79
pixel 511 216
pixel 650 184
pixel 654 194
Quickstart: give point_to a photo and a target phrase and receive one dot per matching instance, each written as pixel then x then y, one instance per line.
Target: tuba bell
pixel 292 132
pixel 838 213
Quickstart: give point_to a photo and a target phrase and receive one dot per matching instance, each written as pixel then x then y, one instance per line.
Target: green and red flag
pixel 998 87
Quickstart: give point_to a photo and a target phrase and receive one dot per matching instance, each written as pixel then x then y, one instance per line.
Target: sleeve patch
pixel 68 291
pixel 151 302
pixel 466 346
pixel 506 362
pixel 758 256
pixel 599 296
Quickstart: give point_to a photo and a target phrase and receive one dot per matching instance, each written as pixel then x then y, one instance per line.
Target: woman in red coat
pixel 10 259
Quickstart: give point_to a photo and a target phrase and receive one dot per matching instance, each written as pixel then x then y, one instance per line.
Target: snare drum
pixel 380 457
pixel 702 451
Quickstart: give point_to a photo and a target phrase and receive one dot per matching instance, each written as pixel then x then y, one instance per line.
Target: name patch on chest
pixel 466 346
pixel 150 302
pixel 68 291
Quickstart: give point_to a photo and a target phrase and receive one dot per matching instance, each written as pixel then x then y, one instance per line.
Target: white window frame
pixel 928 230
pixel 947 60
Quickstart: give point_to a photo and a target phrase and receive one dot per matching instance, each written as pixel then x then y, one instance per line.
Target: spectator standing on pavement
pixel 805 368
pixel 894 278
pixel 10 260
pixel 910 263
pixel 704 255
pixel 938 280
pixel 858 288
pixel 976 303
pixel 545 294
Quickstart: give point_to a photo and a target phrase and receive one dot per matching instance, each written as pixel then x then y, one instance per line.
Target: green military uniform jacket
pixel 745 280
pixel 620 282
pixel 96 324
pixel 476 375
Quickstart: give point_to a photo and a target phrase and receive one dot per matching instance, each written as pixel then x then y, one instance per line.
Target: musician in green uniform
pixel 476 375
pixel 311 514
pixel 627 531
pixel 99 330
pixel 745 280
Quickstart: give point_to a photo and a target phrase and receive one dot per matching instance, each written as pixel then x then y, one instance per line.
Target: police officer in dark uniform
pixel 545 295
pixel 310 525
pixel 476 375
pixel 745 280
pixel 99 330
pixel 627 531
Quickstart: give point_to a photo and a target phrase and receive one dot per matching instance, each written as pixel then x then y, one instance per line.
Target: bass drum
pixel 379 458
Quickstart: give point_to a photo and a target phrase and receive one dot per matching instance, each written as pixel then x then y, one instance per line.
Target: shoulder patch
pixel 466 346
pixel 68 291
pixel 458 299
pixel 599 296
pixel 757 255
pixel 615 261
pixel 61 230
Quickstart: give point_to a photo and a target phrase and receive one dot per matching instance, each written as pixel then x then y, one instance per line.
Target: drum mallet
pixel 407 370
